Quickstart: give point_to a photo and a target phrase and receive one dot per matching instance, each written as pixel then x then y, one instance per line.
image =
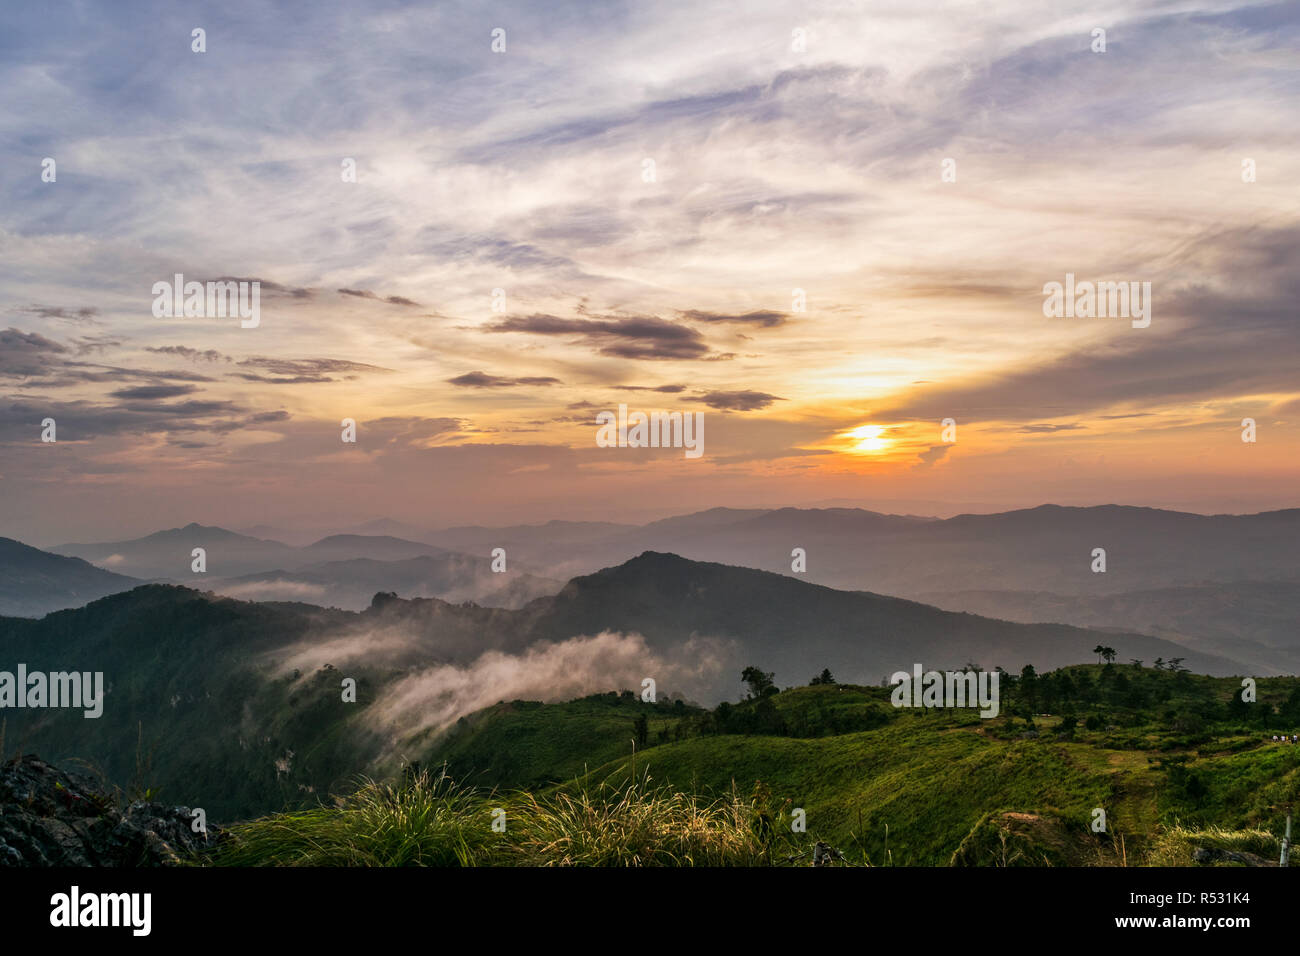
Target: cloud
pixel 634 337
pixel 484 380
pixel 433 698
pixel 272 589
pixel 367 294
pixel 765 320
pixel 266 286
pixel 303 371
pixel 152 392
pixel 53 312
pixel 739 401
pixel 1048 428
pixel 932 455
pixel 26 354
pixel 184 351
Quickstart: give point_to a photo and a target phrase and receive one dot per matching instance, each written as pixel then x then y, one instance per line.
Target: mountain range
pixel 1222 585
pixel 238 705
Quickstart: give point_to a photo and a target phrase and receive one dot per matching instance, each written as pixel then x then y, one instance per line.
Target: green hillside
pixel 527 744
pixel 933 787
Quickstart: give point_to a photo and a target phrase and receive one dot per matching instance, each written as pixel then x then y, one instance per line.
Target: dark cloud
pixel 71 373
pixel 367 294
pixel 303 371
pixel 290 380
pixel 267 286
pixel 44 363
pixel 86 344
pixel 484 380
pixel 631 337
pixel 55 312
pixel 27 354
pixel 252 421
pixel 1204 343
pixel 82 420
pixel 184 351
pixel 764 320
pixel 199 409
pixel 154 392
pixel 665 389
pixel 739 401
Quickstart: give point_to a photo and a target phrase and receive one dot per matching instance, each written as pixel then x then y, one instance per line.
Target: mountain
pixel 972 562
pixel 786 625
pixel 1250 621
pixel 167 554
pixel 1047 548
pixel 352 583
pixel 342 547
pixel 35 582
pixel 555 548
pixel 237 706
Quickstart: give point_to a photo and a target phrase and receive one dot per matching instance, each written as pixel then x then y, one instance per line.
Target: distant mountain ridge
pixel 35 582
pixel 988 564
pixel 167 554
pixel 351 584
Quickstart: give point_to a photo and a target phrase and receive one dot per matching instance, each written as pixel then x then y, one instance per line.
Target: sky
pixel 826 227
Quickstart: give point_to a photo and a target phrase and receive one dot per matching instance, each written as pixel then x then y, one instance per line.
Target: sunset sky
pixel 775 169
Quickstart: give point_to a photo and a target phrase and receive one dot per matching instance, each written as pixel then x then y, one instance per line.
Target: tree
pixel 641 727
pixel 1136 662
pixel 1029 684
pixel 1108 654
pixel 1099 650
pixel 760 682
pixel 823 678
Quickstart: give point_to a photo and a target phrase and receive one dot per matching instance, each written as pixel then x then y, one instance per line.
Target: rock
pixel 1208 855
pixel 51 817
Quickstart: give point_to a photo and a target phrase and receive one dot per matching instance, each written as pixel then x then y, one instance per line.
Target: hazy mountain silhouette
pixel 787 625
pixel 1048 548
pixel 167 554
pixel 351 584
pixel 34 582
pixel 1250 621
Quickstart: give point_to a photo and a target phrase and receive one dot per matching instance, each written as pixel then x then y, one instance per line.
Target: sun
pixel 870 439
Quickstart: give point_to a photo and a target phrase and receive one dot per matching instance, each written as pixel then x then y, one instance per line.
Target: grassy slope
pixel 932 777
pixel 527 744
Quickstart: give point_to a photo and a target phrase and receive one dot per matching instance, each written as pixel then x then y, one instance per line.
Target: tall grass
pixel 636 825
pixel 1177 845
pixel 431 821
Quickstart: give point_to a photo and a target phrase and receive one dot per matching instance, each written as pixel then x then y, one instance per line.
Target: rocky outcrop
pixel 1210 854
pixel 51 817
